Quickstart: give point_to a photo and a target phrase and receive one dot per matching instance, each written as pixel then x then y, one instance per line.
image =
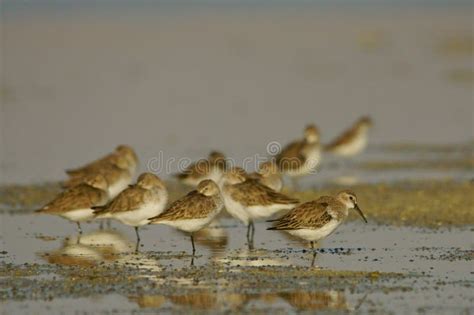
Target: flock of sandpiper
pixel 102 189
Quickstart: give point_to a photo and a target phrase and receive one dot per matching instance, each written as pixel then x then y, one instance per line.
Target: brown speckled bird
pixel 76 203
pixel 116 172
pixel 352 141
pixel 315 220
pixel 194 211
pixel 300 157
pixel 137 203
pixel 268 175
pixel 212 169
pixel 122 150
pixel 247 199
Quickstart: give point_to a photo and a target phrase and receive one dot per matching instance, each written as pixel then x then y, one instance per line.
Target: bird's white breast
pixel 357 145
pixel 141 215
pixel 316 234
pixel 312 160
pixel 119 185
pixel 235 209
pixel 79 215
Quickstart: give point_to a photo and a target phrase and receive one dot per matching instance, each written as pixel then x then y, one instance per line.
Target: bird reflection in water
pixel 319 300
pixel 221 301
pixel 89 249
pixel 214 237
pixel 195 301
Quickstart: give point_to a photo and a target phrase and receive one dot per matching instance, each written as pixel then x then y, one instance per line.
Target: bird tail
pixel 272 220
pixel 273 228
pixel 98 209
pixel 180 175
pixel 72 171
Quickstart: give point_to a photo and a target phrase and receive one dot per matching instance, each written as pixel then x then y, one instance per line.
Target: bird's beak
pixel 360 212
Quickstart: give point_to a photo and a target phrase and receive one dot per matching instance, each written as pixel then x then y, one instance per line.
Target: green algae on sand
pixel 419 203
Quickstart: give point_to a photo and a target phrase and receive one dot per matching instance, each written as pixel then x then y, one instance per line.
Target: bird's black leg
pixel 314 258
pixel 253 230
pixel 250 232
pixel 314 253
pixel 101 225
pixel 192 242
pixel 79 227
pixel 138 239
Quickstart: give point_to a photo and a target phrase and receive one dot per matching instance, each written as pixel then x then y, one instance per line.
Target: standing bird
pixel 246 199
pixel 137 203
pixel 194 211
pixel 352 141
pixel 212 169
pixel 122 150
pixel 269 175
pixel 315 220
pixel 116 172
pixel 300 157
pixel 76 203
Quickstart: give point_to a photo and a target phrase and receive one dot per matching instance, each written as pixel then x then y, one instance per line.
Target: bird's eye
pixel 351 198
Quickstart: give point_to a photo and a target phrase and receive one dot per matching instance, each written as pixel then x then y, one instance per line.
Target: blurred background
pixel 185 77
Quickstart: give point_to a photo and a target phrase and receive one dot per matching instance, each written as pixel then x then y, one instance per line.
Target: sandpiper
pixel 75 204
pixel 212 169
pixel 269 175
pixel 247 199
pixel 194 211
pixel 137 203
pixel 353 141
pixel 315 220
pixel 116 172
pixel 302 156
pixel 123 150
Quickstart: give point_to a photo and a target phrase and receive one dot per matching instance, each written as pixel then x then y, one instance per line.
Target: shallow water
pixel 433 269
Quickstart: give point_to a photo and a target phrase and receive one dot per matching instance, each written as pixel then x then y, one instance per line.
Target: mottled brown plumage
pixel 350 135
pixel 252 193
pixel 204 169
pixel 315 220
pixel 117 169
pixel 194 211
pixel 194 205
pixel 310 215
pixel 82 196
pixel 301 156
pixel 291 156
pixel 268 175
pixel 129 199
pixel 122 150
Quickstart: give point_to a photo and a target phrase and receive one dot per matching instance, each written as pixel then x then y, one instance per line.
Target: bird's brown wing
pixel 346 136
pixel 111 173
pixel 192 206
pixel 310 215
pixel 291 157
pixel 129 199
pixel 92 166
pixel 79 197
pixel 195 170
pixel 253 193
